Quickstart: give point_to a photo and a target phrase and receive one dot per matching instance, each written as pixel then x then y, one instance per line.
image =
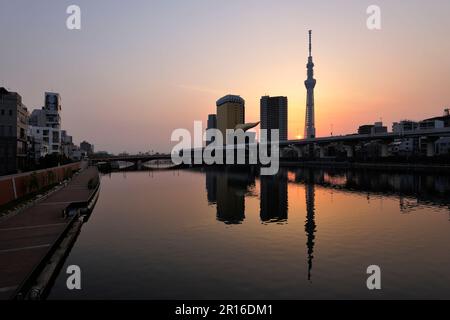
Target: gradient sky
pixel 139 69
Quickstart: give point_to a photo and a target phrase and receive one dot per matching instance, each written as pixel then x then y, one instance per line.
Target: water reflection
pixel 323 226
pixel 413 190
pixel 227 190
pixel 310 225
pixel 274 198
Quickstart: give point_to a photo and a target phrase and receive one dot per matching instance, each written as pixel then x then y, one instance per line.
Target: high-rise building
pixel 230 113
pixel 274 115
pixel 212 124
pixel 310 83
pixel 13 132
pixel 212 121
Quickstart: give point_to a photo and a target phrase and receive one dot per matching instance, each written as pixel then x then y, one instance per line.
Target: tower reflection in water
pixel 227 190
pixel 310 223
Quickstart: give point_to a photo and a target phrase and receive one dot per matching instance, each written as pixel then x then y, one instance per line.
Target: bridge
pixel 131 158
pixel 430 136
pixel 304 146
pixel 437 133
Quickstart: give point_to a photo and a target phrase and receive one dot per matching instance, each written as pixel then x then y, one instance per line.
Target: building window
pixel 3 112
pixel 55 136
pixel 10 112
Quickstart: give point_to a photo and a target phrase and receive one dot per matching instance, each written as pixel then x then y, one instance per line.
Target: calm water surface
pixel 234 235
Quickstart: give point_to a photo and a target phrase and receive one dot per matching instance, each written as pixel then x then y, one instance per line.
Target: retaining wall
pixel 16 186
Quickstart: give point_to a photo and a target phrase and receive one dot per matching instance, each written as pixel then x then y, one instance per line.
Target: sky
pixel 139 69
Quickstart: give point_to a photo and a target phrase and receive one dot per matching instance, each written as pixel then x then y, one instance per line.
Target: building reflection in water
pixel 413 190
pixel 227 189
pixel 211 186
pixel 274 198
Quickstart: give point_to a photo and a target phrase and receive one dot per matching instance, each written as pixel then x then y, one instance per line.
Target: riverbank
pixel 30 239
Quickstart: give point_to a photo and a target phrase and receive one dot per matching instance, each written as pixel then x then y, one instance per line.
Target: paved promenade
pixel 26 238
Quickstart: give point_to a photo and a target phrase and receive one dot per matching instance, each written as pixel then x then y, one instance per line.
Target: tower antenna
pixel 310 42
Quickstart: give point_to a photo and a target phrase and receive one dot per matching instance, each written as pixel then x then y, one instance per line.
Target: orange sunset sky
pixel 139 69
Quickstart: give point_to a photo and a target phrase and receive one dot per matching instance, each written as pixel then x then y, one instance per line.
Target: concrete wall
pixel 18 185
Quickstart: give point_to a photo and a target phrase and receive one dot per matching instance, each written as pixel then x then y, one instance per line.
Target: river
pixel 232 234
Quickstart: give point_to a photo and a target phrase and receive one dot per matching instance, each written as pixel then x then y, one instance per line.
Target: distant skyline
pixel 138 70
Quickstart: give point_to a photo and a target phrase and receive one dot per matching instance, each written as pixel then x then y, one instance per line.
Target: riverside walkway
pixel 27 238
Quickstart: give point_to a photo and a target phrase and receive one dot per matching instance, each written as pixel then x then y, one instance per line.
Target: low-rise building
pixel 431 124
pixel 77 154
pixel 376 128
pixel 404 147
pixel 445 118
pixel 67 144
pixel 87 147
pixel 13 133
pixel 44 141
pixel 443 146
pixel 404 126
pixel 46 123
